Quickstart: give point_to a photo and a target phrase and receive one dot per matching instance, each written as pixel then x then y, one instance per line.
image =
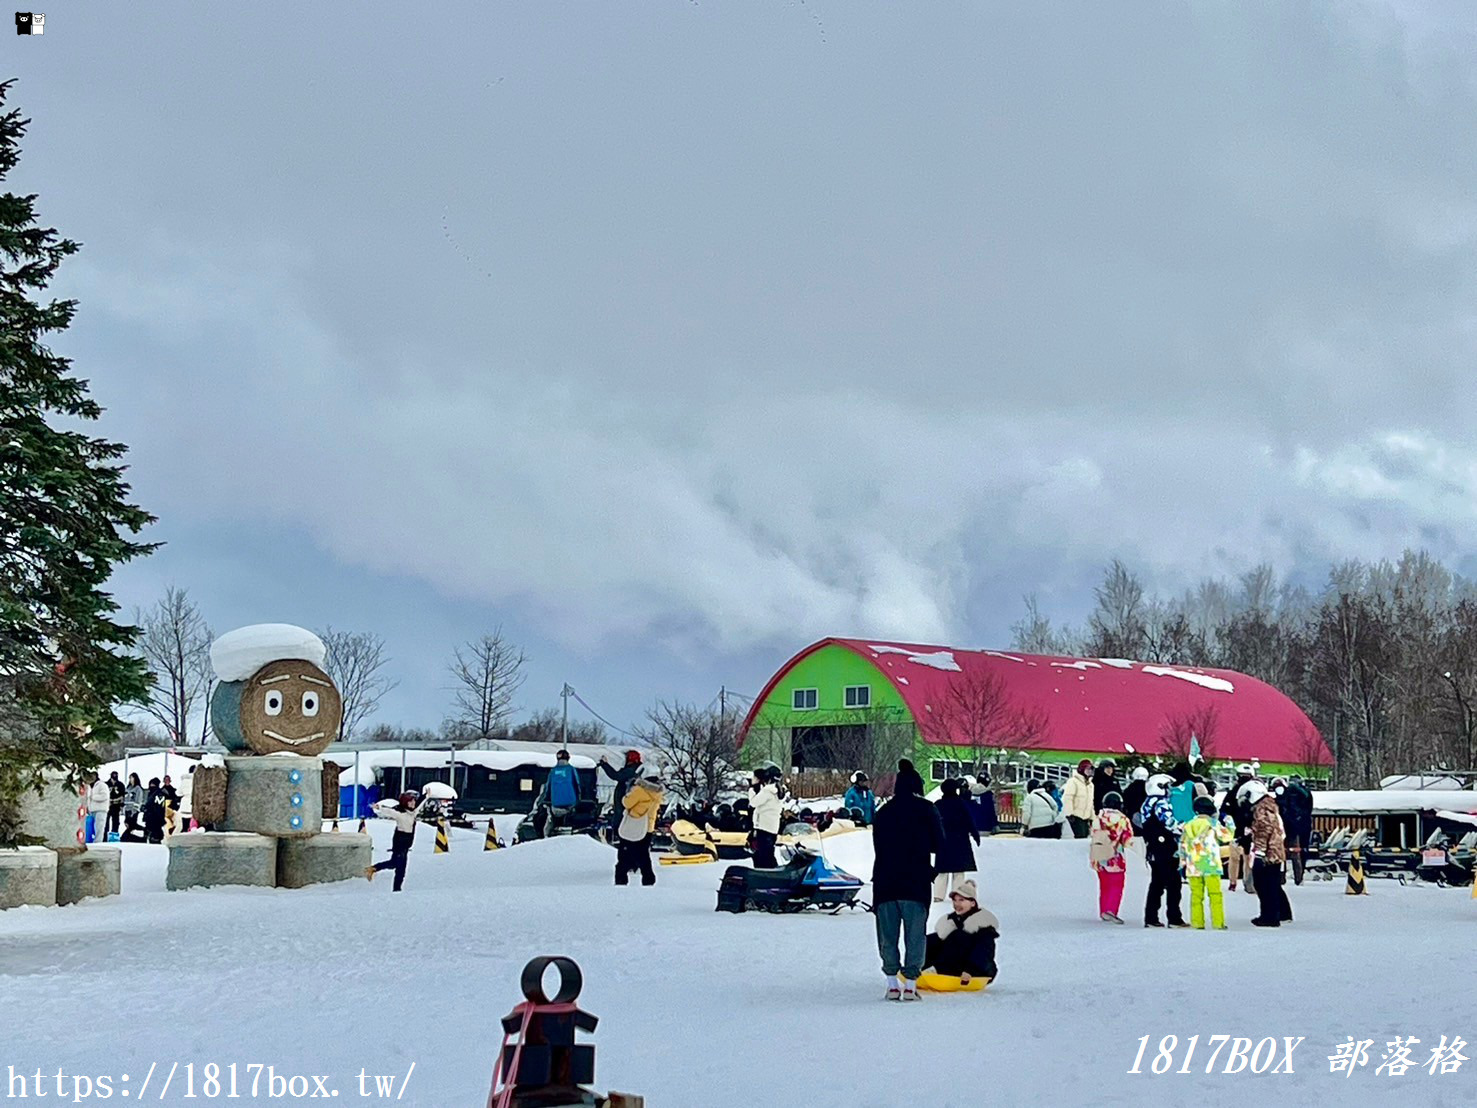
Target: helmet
pixel 767 771
pixel 1158 785
pixel 858 777
pixel 562 756
pixel 1204 806
pixel 1244 770
pixel 1114 801
pixel 1084 765
pixel 1251 793
pixel 1140 773
pixel 1279 782
pixel 651 773
pixel 633 757
pixel 1106 763
pixel 408 798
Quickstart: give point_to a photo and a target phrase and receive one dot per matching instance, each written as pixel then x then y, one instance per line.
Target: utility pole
pixel 566 693
pixel 722 701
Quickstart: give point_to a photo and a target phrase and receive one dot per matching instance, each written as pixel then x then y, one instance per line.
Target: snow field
pixel 702 1009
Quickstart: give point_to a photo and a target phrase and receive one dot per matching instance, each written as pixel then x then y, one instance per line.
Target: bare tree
pixel 488 673
pixel 175 643
pixel 1116 628
pixel 547 725
pixel 1182 731
pixel 979 719
pixel 1035 634
pixel 356 661
pixel 698 748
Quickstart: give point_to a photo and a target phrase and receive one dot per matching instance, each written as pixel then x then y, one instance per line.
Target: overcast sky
pixel 673 335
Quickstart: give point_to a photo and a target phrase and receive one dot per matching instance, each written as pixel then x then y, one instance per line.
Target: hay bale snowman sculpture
pixel 275 710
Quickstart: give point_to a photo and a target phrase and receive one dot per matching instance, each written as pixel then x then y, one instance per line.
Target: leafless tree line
pixel 1382 657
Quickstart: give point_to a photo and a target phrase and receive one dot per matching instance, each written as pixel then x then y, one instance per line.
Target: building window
pixel 858 696
pixel 803 700
pixel 943 770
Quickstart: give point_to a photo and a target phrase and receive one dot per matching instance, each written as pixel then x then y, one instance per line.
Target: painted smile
pixel 292 742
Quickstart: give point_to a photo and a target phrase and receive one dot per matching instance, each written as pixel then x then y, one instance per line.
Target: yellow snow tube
pixel 943 983
pixel 685 859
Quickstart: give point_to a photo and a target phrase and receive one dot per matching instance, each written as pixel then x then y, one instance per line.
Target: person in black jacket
pixel 115 803
pixel 1104 781
pixel 957 856
pixel 906 835
pixel 622 778
pixel 154 812
pixel 1240 862
pixel 1134 795
pixel 1295 803
pixel 963 942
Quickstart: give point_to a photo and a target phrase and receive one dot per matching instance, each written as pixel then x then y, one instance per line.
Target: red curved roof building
pixel 836 694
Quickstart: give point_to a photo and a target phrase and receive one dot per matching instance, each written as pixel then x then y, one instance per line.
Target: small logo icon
pixel 30 23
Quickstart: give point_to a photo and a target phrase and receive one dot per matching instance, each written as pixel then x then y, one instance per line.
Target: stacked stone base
pixel 62 870
pixel 271 834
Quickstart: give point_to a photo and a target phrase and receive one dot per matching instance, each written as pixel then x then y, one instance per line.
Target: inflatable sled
pixel 684 859
pixel 806 881
pixel 943 983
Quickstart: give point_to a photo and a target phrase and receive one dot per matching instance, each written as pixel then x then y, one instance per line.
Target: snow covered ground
pixel 705 1009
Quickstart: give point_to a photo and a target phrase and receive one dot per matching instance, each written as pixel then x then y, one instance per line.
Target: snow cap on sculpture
pixel 274 696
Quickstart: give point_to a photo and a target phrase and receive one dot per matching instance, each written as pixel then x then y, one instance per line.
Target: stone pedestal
pixel 221 858
pixel 325 857
pixel 27 876
pixel 56 817
pixel 274 794
pixel 96 871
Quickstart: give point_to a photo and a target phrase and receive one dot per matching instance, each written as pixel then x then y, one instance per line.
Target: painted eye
pixel 310 704
pixel 273 703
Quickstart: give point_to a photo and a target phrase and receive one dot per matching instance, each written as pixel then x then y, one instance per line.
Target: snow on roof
pixel 1394 800
pixel 938 659
pixel 1117 705
pixel 238 654
pixel 1219 684
pixel 1419 781
pixel 499 760
pixel 1457 817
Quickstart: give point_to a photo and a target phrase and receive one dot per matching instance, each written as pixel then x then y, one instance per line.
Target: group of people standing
pixel 1186 836
pixel 156 808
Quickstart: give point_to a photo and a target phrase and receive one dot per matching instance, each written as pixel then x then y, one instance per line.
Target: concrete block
pixel 220 858
pixel 274 794
pixel 27 876
pixel 330 856
pixel 54 816
pixel 96 871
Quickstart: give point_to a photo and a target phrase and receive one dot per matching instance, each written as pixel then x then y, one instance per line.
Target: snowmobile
pixel 689 838
pixel 806 880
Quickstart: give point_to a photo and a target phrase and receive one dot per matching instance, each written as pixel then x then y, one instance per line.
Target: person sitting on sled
pixel 963 942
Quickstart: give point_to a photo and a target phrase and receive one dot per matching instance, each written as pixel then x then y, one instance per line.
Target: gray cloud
pixel 681 329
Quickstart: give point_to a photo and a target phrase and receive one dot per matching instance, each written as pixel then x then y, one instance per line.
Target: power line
pixel 601 718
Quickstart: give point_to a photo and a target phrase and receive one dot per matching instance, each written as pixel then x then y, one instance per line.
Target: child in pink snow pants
pixel 1110 836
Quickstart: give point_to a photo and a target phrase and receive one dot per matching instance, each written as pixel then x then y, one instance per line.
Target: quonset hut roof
pixel 1096 705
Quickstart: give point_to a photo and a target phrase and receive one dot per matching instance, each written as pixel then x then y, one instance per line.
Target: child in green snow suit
pixel 1200 846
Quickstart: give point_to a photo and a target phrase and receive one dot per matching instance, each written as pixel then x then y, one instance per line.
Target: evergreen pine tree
pixel 65 522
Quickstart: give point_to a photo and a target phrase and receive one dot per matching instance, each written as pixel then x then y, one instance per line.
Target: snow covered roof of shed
pixel 1394 800
pixel 502 761
pixel 1096 705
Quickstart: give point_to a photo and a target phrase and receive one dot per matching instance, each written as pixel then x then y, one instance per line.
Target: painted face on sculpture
pixel 290 707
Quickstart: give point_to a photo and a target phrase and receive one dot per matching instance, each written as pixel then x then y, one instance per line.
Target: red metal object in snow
pixel 539 1062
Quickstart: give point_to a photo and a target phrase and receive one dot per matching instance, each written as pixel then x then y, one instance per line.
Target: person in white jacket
pixel 1077 799
pixel 1040 816
pixel 766 807
pixel 98 800
pixel 403 813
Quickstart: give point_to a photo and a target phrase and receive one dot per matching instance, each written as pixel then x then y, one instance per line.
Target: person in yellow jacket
pixel 1077 803
pixel 1200 846
pixel 642 802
